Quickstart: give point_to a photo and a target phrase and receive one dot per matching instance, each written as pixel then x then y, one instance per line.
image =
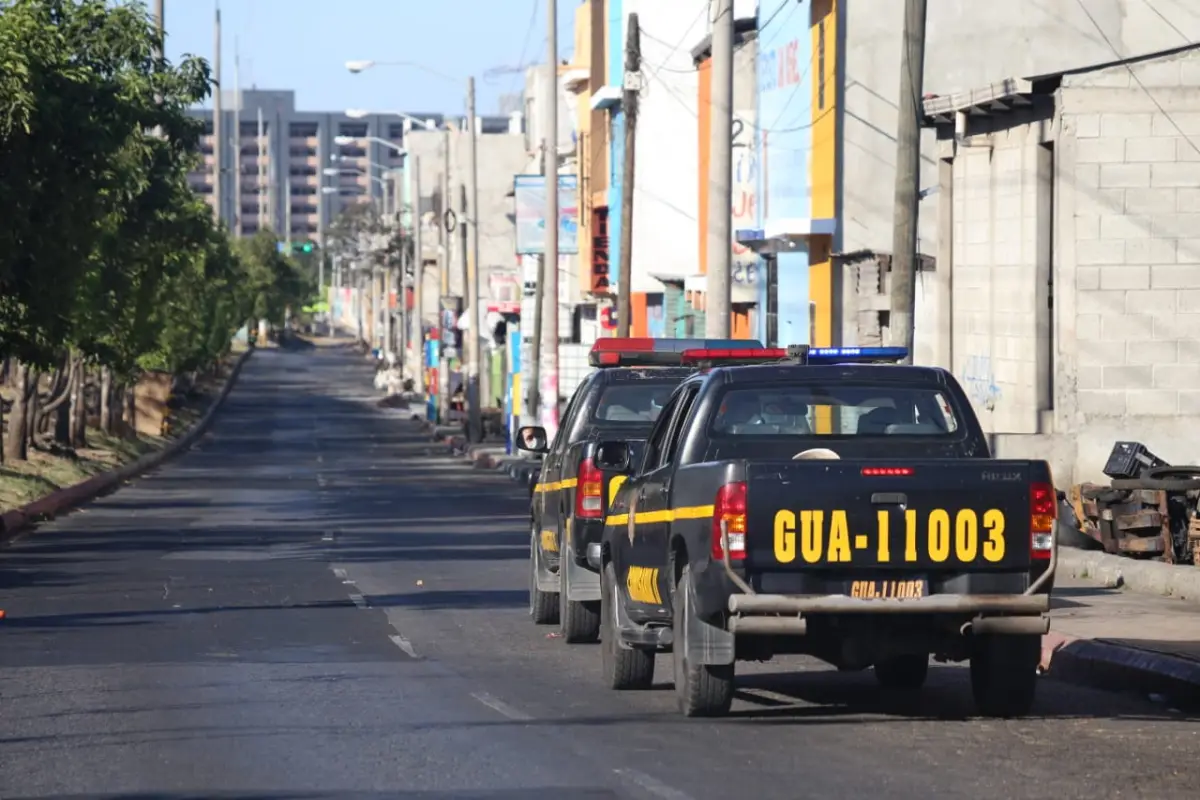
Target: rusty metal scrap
pixel 1148 511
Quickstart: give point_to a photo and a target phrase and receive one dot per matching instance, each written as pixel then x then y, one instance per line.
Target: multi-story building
pixel 284 155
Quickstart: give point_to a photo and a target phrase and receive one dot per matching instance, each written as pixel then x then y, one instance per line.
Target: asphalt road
pixel 311 604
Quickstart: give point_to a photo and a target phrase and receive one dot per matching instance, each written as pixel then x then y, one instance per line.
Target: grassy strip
pixel 45 472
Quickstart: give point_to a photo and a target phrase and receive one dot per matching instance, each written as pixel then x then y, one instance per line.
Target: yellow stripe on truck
pixel 554 486
pixel 665 515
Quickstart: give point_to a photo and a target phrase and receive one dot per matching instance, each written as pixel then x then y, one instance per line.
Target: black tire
pixel 543 606
pixel 702 690
pixel 1004 674
pixel 579 620
pixel 624 668
pixel 906 672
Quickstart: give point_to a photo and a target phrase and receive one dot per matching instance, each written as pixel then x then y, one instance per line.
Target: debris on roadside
pixel 1148 510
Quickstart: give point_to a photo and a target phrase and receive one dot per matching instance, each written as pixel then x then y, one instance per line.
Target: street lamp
pixel 359 113
pixel 346 141
pixel 366 64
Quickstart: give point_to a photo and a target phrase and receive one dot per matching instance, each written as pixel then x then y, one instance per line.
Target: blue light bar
pixel 849 355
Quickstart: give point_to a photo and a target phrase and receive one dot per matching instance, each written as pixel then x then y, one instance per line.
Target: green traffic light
pixel 308 247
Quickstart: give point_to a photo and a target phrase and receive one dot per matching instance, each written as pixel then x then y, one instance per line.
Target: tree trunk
pixel 77 416
pixel 16 444
pixel 106 400
pixel 31 405
pixel 56 399
pixel 129 398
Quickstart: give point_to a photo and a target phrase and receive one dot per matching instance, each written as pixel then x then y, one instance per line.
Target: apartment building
pixel 285 155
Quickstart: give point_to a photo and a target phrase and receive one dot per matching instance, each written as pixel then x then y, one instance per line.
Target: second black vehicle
pixel 620 400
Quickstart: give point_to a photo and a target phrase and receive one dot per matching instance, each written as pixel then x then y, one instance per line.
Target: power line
pixel 525 45
pixel 1133 73
pixel 752 124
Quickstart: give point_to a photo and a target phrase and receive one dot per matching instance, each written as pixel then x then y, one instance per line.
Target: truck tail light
pixel 729 507
pixel 1043 511
pixel 589 491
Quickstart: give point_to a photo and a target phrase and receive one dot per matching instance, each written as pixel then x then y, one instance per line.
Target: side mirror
pixel 532 439
pixel 613 456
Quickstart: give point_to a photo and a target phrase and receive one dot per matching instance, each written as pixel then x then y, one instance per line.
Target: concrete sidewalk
pixel 1124 641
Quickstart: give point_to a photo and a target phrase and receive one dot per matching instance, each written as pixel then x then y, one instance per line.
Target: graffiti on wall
pixel 979 380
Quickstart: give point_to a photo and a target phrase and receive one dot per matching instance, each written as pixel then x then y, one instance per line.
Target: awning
pixel 784 235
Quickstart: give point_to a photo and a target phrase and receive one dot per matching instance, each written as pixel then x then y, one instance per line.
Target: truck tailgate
pixel 885 519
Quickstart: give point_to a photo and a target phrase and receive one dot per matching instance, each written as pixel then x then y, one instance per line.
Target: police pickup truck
pixel 619 400
pixel 818 503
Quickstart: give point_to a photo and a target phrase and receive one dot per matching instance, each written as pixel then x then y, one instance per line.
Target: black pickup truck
pixel 827 506
pixel 619 400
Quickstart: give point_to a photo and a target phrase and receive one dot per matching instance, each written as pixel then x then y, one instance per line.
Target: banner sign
pixel 529 192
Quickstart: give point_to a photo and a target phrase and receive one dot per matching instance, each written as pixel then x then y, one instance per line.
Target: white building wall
pixel 667 193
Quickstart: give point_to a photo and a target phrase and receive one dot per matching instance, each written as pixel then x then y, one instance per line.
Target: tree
pixel 109 263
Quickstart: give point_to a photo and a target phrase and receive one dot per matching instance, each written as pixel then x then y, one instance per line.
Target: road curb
pixel 19 520
pixel 1147 577
pixel 1109 666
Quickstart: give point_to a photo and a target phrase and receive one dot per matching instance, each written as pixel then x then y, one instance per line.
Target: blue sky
pixel 304 44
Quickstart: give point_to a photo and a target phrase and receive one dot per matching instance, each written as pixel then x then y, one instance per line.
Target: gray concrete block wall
pixel 1137 248
pixel 993 296
pixel 969 45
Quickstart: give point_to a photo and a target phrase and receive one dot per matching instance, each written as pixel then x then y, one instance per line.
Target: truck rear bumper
pixel 1011 614
pixel 989 614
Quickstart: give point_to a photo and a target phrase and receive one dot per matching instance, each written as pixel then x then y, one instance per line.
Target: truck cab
pixel 620 400
pixel 827 504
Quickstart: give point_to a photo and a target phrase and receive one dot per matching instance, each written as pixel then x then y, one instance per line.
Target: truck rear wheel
pixel 543 606
pixel 624 667
pixel 1004 674
pixel 906 672
pixel 703 690
pixel 580 620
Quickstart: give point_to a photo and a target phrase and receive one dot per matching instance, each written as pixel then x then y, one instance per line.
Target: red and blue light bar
pixel 648 352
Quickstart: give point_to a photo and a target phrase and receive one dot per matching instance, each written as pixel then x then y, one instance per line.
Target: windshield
pixel 632 402
pixel 841 410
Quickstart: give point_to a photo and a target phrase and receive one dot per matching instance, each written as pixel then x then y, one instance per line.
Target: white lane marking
pixel 339 573
pixel 652 785
pixel 405 645
pixel 358 600
pixel 500 706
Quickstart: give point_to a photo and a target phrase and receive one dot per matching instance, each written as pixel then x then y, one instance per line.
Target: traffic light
pixel 307 247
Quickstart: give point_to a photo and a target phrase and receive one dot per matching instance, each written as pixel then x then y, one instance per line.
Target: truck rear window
pixel 632 402
pixel 842 410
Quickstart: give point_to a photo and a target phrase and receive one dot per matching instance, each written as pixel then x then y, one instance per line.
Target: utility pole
pixel 908 177
pixel 720 177
pixel 161 26
pixel 464 269
pixel 474 331
pixel 549 372
pixel 629 105
pixel 418 335
pixel 237 143
pixel 160 47
pixel 539 306
pixel 218 135
pixel 447 242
